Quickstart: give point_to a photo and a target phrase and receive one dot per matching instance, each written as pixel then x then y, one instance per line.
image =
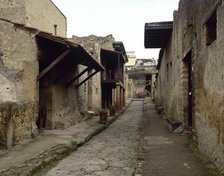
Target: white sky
pixel 124 19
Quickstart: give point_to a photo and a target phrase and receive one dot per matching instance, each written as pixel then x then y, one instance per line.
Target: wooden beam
pixel 90 76
pixel 56 61
pixel 77 76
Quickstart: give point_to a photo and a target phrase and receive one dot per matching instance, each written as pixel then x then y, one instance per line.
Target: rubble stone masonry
pixel 18 91
pixel 190 35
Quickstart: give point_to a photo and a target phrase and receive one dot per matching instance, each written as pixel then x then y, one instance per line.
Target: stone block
pixel 90 114
pixel 104 113
pixel 112 111
pixel 174 125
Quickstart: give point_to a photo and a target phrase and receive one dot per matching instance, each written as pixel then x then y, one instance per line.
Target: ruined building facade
pixel 38 73
pixel 106 89
pixel 190 81
pixel 92 99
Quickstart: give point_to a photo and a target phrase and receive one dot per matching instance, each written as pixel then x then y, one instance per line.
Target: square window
pixel 211 29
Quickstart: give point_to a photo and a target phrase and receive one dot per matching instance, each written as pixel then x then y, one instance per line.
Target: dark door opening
pixel 106 97
pixel 188 66
pixel 148 84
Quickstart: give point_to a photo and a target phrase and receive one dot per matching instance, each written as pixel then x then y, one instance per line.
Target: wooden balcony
pixel 111 76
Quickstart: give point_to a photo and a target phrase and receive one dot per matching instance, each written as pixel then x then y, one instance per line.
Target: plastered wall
pixel 189 34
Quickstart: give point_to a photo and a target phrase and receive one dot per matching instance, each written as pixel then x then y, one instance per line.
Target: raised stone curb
pixel 53 154
pixel 57 152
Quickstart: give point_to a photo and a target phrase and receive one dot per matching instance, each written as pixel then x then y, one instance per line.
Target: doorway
pixel 188 90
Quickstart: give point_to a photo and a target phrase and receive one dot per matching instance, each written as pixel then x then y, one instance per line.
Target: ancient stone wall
pixel 65 110
pixel 209 85
pixel 43 15
pixel 189 36
pixel 129 87
pixel 89 94
pixel 13 10
pixel 82 91
pixel 19 88
pixel 88 42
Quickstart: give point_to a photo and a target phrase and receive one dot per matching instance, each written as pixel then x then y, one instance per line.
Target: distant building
pixel 131 60
pixel 144 64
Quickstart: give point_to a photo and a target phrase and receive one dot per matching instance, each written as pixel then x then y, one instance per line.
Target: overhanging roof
pixel 84 57
pixel 119 46
pixel 157 34
pixel 111 54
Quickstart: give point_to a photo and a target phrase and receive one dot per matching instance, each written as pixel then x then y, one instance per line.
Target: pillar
pixel 118 97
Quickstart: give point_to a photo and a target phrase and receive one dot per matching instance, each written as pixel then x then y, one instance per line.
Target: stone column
pixel 122 97
pixel 90 92
pixel 118 97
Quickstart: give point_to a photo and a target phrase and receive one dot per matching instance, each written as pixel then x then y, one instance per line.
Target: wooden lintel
pixel 55 62
pixel 90 76
pixel 77 76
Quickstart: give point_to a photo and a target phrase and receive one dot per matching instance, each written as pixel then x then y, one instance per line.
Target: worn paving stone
pixel 165 154
pixel 112 152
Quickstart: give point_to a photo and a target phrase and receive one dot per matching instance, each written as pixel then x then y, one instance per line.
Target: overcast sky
pixel 124 19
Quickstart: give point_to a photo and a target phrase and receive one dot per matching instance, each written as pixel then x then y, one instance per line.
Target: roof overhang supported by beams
pixel 65 49
pixel 112 55
pixel 56 61
pixel 157 34
pixel 84 58
pixel 119 47
pixel 73 51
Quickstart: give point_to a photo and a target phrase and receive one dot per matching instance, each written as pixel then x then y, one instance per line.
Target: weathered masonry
pixel 112 80
pixel 43 15
pixel 190 81
pixel 150 77
pixel 110 83
pixel 90 95
pixel 38 79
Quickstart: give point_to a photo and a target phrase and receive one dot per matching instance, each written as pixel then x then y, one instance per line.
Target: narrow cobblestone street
pixel 164 153
pixel 111 153
pixel 138 139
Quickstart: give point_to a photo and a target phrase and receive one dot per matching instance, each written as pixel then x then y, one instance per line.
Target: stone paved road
pixel 111 153
pixel 166 154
